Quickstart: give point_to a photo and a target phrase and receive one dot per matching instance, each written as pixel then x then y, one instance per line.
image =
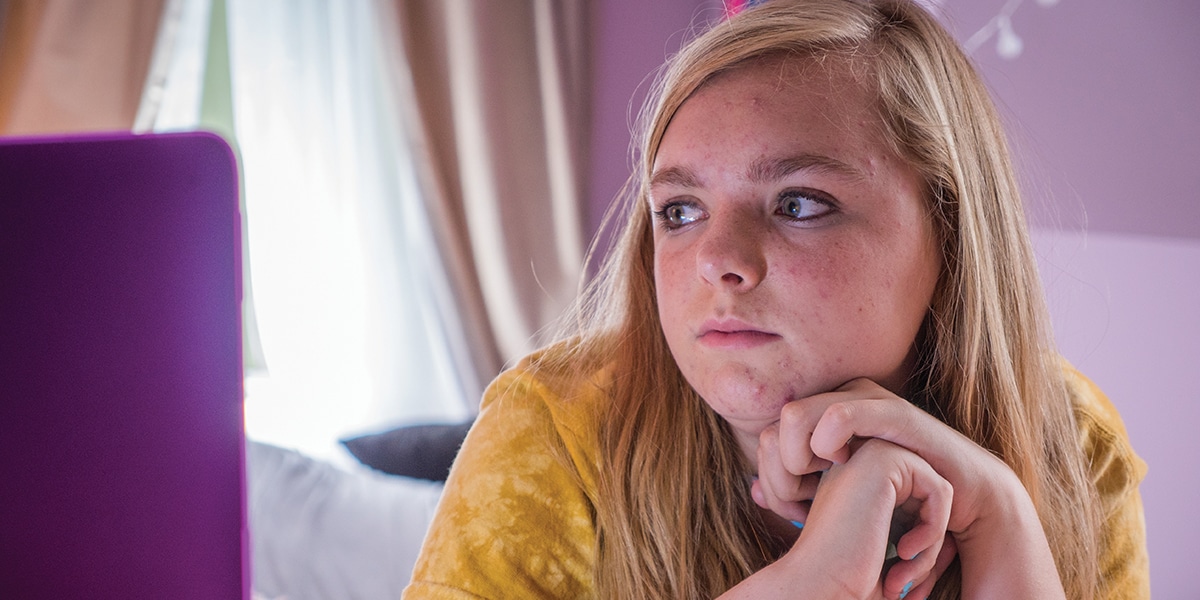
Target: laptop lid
pixel 121 423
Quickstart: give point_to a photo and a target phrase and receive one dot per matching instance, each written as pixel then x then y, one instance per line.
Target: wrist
pixel 1008 515
pixel 797 574
pixel 1004 552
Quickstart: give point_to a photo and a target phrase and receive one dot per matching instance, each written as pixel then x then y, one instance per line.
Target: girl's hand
pixel 992 519
pixel 880 488
pixel 841 552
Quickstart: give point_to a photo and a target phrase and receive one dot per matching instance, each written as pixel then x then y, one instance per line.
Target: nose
pixel 730 254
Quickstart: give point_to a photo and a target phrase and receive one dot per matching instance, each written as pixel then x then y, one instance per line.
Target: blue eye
pixel 678 214
pixel 803 205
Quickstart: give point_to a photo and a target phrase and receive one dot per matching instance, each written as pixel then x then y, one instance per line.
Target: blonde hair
pixel 674 514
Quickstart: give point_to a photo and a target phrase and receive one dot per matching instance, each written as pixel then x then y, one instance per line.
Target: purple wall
pixel 1133 330
pixel 1101 102
pixel 632 39
pixel 1101 106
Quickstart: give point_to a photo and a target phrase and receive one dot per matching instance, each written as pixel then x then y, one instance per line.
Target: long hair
pixel 674 515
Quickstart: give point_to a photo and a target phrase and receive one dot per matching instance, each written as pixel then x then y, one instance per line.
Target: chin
pixel 737 393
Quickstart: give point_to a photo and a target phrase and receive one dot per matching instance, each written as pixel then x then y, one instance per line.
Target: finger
pixel 923 584
pixel 912 574
pixel 946 556
pixel 795 511
pixel 796 422
pixel 794 489
pixel 920 547
pixel 863 409
pixel 847 419
pixel 960 460
pixel 781 492
pixel 936 497
pixel 798 514
pixel 756 494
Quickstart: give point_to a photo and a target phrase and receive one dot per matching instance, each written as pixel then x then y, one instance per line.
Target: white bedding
pixel 321 531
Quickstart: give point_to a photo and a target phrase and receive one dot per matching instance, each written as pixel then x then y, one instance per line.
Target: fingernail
pixel 798 524
pixel 904 592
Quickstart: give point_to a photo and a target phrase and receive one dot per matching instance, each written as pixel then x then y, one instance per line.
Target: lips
pixel 733 334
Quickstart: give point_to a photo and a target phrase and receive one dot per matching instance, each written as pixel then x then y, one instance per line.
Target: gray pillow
pixel 420 451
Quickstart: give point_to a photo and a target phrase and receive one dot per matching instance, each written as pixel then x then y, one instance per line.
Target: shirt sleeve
pixel 1116 471
pixel 514 520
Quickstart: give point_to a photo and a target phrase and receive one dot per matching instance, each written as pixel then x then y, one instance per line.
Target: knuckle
pixel 769 437
pixel 838 415
pixel 795 416
pixel 945 488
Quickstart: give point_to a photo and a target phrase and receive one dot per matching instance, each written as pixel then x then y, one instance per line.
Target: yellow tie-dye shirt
pixel 517 520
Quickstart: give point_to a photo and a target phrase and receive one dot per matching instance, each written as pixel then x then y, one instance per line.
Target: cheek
pixel 823 281
pixel 662 290
pixel 889 311
pixel 671 282
pixel 853 303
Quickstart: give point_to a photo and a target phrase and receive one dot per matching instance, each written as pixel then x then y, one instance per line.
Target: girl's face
pixel 793 248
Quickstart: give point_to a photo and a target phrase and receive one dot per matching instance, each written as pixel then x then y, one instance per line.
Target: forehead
pixel 832 71
pixel 836 86
pixel 805 106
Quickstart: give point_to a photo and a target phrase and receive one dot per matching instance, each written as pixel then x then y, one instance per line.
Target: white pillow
pixel 321 531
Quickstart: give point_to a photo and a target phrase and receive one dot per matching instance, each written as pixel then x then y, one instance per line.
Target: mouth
pixel 732 335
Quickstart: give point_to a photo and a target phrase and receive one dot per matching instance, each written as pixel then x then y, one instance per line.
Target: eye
pixel 678 214
pixel 804 205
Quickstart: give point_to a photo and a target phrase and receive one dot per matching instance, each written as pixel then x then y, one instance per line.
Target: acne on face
pixel 841 292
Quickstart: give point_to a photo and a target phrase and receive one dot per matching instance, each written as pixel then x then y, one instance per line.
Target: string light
pixel 1008 44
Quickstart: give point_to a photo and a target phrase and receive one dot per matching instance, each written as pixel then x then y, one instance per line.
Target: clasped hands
pixel 857 463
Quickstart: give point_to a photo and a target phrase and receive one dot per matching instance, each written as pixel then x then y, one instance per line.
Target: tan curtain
pixel 73 65
pixel 495 94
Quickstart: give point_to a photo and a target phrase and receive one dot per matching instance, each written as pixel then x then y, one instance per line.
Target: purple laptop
pixel 121 427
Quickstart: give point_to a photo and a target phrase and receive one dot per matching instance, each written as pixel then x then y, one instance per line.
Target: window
pixel 342 266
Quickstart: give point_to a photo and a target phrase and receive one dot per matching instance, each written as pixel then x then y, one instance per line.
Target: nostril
pixel 730 259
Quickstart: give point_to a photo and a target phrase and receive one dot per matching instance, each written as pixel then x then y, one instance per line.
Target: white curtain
pixel 497 100
pixel 346 281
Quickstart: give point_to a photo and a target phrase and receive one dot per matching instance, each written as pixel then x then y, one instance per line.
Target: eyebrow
pixel 773 169
pixel 676 177
pixel 763 170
